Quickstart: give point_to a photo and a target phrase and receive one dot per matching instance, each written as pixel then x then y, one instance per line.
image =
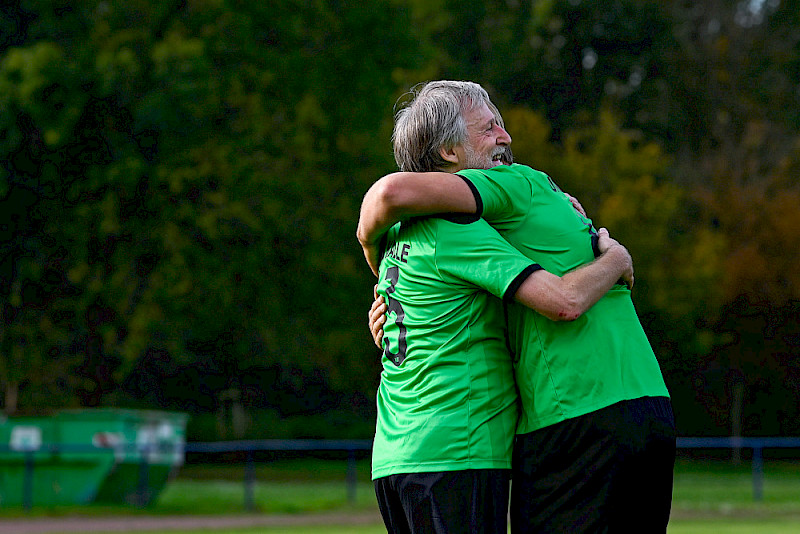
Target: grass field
pixel 717 527
pixel 711 496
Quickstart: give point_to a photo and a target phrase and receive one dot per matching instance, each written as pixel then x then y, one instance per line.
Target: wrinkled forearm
pixel 568 297
pixel 400 195
pixel 589 283
pixel 379 211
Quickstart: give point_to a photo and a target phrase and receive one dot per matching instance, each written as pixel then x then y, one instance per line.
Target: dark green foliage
pixel 180 183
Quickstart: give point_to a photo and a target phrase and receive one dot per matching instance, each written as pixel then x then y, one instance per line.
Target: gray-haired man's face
pixel 486 143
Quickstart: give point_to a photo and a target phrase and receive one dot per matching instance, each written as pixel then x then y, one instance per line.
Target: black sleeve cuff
pixel 513 287
pixel 595 241
pixel 478 201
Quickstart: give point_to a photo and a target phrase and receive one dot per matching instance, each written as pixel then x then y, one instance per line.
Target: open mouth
pixel 498 159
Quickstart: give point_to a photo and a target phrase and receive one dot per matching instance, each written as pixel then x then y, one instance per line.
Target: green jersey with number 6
pixel 446 399
pixel 564 369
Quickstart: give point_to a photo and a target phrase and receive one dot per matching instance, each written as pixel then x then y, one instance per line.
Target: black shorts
pixel 607 471
pixel 451 502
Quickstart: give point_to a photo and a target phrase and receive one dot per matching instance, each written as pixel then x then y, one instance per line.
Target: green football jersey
pixel 564 369
pixel 446 399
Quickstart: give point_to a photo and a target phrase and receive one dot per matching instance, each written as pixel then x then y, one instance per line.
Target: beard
pixel 474 160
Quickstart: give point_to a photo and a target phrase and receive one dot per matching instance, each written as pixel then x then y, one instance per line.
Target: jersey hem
pixel 437 467
pixel 538 424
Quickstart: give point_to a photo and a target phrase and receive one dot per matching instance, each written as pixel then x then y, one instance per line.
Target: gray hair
pixel 433 118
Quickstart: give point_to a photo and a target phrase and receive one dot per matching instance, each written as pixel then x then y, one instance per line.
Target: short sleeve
pixel 477 254
pixel 504 191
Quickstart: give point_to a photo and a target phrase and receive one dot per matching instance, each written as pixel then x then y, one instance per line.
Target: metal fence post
pixel 27 482
pixel 142 487
pixel 758 474
pixel 249 482
pixel 352 481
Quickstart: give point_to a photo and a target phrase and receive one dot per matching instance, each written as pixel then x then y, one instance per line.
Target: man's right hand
pixel 605 242
pixel 377 317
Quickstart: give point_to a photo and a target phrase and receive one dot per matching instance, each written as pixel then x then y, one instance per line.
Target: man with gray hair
pixel 434 120
pixel 595 443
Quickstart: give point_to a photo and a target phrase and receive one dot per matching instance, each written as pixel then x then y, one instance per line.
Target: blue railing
pixel 757 445
pixel 352 447
pixel 250 447
pixel 142 455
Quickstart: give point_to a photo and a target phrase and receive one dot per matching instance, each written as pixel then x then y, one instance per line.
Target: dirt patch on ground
pixel 65 525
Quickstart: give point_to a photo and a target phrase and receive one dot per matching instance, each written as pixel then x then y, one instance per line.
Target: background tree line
pixel 180 183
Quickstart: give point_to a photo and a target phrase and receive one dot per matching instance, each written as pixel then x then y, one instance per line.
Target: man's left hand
pixel 576 204
pixel 377 317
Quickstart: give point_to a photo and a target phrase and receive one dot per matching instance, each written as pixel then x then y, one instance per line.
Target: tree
pixel 184 181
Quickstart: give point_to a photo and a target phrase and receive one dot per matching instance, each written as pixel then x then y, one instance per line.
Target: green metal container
pixel 148 448
pixel 91 455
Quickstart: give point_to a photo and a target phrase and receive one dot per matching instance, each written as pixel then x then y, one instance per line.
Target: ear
pixel 449 154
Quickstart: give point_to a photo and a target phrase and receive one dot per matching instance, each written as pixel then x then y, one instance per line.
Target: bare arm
pixel 558 298
pixel 401 195
pixel 568 297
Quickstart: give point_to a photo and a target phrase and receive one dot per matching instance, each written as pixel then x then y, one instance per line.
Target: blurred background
pixel 180 184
